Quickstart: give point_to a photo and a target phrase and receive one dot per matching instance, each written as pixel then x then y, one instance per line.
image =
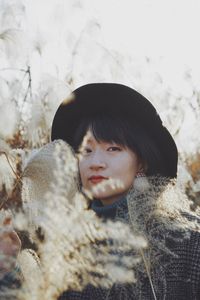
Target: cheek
pixel 129 171
pixel 128 176
pixel 82 172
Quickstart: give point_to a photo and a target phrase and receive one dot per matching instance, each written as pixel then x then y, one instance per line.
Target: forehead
pixel 89 138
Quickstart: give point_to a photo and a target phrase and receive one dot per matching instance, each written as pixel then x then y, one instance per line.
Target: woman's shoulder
pixel 192 233
pixel 188 251
pixel 193 260
pixel 193 241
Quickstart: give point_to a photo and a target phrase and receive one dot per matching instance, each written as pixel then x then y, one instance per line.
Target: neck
pixel 111 200
pixel 106 211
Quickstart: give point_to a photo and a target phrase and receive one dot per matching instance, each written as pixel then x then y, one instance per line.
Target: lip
pixel 97 179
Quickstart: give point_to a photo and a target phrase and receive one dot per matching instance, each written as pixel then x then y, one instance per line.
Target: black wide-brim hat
pixel 112 98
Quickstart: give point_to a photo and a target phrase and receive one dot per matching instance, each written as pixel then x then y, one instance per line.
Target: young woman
pixel 127 161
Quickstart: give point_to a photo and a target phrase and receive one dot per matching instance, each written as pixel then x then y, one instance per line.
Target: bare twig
pixel 4 196
pixel 13 69
pixel 2 152
pixel 29 88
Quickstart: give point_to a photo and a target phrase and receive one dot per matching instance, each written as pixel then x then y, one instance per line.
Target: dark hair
pixel 125 132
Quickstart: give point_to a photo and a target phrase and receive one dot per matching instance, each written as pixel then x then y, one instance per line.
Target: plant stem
pixel 10 165
pixel 148 274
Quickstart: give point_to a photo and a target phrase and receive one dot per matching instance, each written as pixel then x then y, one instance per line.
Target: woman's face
pixel 107 170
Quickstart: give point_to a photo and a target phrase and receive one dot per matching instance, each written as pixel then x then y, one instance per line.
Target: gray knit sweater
pixel 181 271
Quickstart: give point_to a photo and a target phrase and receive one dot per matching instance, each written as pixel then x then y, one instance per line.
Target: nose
pixel 97 161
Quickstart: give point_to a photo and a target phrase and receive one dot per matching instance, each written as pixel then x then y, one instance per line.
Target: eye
pixel 114 148
pixel 86 151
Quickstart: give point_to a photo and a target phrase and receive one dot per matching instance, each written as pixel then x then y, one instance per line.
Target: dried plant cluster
pixel 76 247
pixel 193 184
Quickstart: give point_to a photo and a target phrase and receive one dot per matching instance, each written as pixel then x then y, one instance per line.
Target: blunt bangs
pixel 105 128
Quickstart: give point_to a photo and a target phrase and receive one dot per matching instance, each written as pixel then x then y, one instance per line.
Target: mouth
pixel 97 179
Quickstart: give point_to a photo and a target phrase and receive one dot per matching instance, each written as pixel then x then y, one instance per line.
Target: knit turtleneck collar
pixel 106 211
